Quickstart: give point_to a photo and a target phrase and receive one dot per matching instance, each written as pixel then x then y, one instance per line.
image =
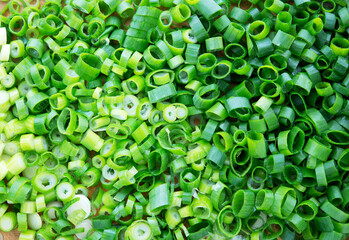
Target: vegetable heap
pixel 194 119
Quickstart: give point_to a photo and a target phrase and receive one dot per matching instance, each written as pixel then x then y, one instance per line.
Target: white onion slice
pixel 83 203
pixel 87 225
pixel 34 221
